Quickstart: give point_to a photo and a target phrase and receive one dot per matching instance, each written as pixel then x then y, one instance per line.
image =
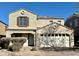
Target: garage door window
pixel 49 34
pixel 63 34
pixel 67 34
pixel 41 34
pixel 59 34
pixel 54 35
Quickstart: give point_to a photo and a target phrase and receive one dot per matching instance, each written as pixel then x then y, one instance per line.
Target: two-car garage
pixel 56 40
pixel 56 36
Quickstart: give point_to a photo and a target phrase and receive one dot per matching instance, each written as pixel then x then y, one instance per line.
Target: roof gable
pixel 23 10
pixel 55 28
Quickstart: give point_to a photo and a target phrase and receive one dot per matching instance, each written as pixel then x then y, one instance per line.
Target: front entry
pixel 29 36
pixel 30 40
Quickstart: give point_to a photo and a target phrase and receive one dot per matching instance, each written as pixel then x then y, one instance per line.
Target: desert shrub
pixel 33 49
pixel 17 44
pixel 4 43
pixel 0 48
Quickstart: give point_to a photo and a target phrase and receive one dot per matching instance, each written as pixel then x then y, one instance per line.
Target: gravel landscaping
pixel 28 52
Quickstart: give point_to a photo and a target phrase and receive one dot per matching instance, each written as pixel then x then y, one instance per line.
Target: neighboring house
pixel 39 31
pixel 73 22
pixel 3 28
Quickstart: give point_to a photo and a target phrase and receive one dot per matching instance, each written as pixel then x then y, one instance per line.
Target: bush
pixel 33 49
pixel 17 44
pixel 4 43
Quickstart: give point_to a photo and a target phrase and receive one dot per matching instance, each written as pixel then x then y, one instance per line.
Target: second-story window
pixel 51 21
pixel 22 21
pixel 59 22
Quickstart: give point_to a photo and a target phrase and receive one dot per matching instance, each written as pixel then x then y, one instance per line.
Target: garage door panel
pixel 56 41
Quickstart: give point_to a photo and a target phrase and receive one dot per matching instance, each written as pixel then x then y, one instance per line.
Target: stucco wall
pixel 13 20
pixel 8 33
pixel 34 22
pixel 2 29
pixel 44 22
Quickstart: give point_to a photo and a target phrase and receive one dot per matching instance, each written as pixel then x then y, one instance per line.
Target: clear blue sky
pixel 51 9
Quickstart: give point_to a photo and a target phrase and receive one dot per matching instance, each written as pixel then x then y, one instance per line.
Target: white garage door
pixel 56 40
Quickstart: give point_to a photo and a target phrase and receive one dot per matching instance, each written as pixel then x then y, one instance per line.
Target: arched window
pixel 22 21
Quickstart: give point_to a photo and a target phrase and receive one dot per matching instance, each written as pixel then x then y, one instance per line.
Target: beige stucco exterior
pixel 3 28
pixel 13 20
pixel 45 21
pixel 35 22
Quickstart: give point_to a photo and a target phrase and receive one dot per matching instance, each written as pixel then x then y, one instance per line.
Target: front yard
pixel 27 52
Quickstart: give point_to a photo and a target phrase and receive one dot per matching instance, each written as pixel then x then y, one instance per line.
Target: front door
pixel 30 40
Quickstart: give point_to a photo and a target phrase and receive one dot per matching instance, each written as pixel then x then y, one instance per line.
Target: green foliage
pixel 4 43
pixel 17 44
pixel 33 49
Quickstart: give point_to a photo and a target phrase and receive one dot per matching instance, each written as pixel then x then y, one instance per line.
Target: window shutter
pixel 18 21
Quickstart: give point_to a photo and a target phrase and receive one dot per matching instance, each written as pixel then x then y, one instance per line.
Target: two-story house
pixel 39 31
